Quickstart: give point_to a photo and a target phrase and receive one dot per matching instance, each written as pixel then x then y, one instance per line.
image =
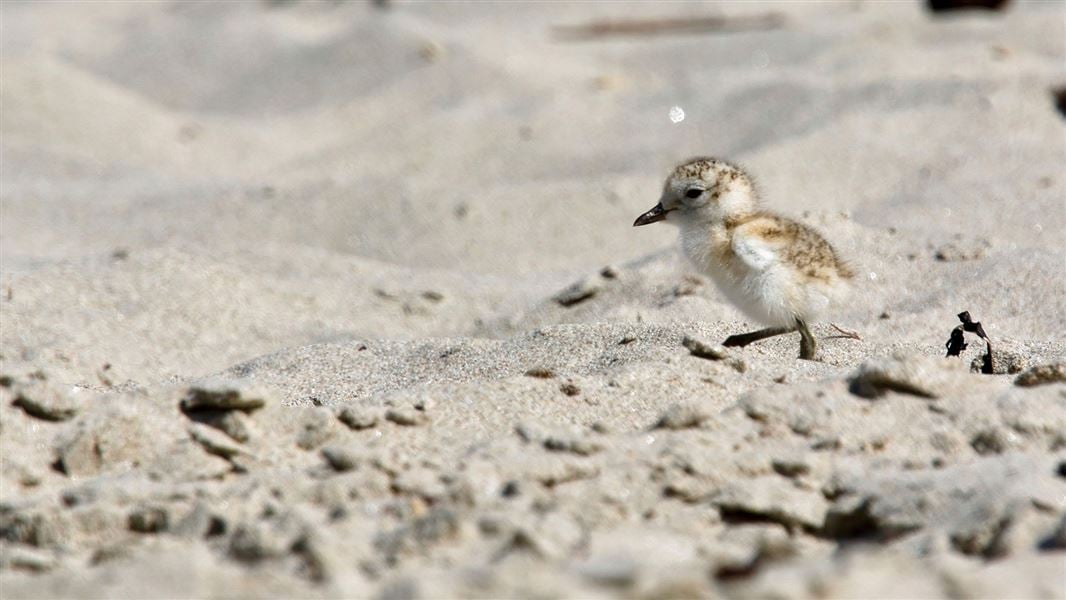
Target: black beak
pixel 657 213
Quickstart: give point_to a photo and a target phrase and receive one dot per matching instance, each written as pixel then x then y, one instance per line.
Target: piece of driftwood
pixel 667 26
pixel 957 342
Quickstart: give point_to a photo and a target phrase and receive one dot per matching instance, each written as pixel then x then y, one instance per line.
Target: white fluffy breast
pixel 749 272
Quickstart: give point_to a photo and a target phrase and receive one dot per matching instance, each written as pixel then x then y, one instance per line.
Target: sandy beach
pixel 327 299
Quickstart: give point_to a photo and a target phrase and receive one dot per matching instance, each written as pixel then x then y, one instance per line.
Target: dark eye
pixel 693 193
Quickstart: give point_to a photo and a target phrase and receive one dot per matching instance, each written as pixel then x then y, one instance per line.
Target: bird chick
pixel 780 273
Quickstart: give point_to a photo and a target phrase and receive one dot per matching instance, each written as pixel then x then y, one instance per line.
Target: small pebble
pixel 572 443
pixel 148 519
pixel 1042 375
pixel 577 293
pixel 570 389
pixel 341 458
pixel 431 51
pixel 358 418
pixel 407 417
pixel 214 441
pixel 225 394
pixel 702 349
pixel 682 416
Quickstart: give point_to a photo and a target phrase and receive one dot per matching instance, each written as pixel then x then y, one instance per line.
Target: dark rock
pixel 702 349
pixel 227 394
pixel 1042 375
pixel 358 418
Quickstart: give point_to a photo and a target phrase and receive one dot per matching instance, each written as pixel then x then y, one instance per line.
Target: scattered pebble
pixel 540 373
pixel 774 499
pixel 791 466
pixel 600 427
pixel 577 293
pixel 421 482
pixel 235 424
pixel 995 440
pixel 407 417
pixel 226 394
pixel 530 431
pixel 149 519
pixel 570 389
pixel 256 540
pixel 199 522
pixel 214 441
pixel 358 418
pixel 573 443
pixel 553 469
pixel 1042 375
pixel 702 349
pixel 682 416
pixel 342 458
pixel 431 51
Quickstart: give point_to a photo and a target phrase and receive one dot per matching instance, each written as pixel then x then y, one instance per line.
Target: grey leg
pixel 746 338
pixel 808 346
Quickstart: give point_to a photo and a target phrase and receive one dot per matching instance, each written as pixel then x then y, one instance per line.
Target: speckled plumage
pixel 779 272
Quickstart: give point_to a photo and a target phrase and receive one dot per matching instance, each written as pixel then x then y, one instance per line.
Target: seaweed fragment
pixel 957 342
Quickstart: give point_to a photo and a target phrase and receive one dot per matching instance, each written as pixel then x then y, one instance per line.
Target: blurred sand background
pixel 348 239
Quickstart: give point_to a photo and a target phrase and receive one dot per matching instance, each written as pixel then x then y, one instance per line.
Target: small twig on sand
pixel 844 333
pixel 651 27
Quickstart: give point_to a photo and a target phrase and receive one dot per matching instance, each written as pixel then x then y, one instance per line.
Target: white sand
pixel 365 217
